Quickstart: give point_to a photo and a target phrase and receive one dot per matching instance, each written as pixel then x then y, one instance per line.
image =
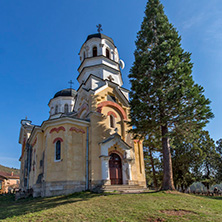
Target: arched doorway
pixel 115 169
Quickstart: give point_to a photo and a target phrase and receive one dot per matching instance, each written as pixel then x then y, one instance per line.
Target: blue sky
pixel 40 41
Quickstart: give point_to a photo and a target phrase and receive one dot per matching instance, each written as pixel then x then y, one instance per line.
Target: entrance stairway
pixel 123 188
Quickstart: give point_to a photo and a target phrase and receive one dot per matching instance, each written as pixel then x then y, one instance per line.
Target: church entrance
pixel 115 169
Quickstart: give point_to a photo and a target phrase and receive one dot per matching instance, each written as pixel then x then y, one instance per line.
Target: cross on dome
pixel 71 83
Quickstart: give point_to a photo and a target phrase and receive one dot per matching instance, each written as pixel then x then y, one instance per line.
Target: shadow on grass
pixel 210 197
pixel 11 208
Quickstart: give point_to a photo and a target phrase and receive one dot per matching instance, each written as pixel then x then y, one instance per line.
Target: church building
pixel 85 143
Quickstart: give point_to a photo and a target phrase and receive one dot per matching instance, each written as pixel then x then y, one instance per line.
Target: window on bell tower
pixel 107 53
pixel 94 51
pixel 56 109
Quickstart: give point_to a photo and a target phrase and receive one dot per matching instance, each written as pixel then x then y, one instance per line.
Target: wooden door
pixel 115 169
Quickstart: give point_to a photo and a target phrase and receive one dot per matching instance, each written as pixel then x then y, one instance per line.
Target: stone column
pixel 105 170
pixel 129 168
pixel 129 174
pixel 101 49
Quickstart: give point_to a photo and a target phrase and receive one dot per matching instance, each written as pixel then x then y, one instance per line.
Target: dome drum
pixel 62 102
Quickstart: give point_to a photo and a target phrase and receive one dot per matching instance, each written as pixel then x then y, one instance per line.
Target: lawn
pixel 86 206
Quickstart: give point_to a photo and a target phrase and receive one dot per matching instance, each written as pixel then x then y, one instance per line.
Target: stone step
pixel 122 188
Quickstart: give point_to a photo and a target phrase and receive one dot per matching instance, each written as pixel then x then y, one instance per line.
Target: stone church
pixel 85 144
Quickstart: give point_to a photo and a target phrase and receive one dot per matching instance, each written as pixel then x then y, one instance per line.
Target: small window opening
pixel 107 53
pixel 58 150
pixel 113 98
pixel 112 121
pixel 56 109
pixel 94 51
pixel 66 108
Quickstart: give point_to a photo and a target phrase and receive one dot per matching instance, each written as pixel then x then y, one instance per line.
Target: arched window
pixel 56 109
pixel 112 121
pixel 58 150
pixel 107 53
pixel 94 51
pixel 66 108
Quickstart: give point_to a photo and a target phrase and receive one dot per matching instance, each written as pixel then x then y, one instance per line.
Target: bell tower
pixel 99 61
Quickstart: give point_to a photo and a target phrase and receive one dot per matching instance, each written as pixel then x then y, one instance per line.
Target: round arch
pixel 114 105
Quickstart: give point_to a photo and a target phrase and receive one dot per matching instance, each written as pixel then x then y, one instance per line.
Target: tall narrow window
pixel 58 150
pixel 56 109
pixel 66 108
pixel 112 121
pixel 94 51
pixel 107 53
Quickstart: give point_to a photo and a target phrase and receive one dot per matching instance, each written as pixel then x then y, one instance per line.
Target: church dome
pixel 100 36
pixel 66 92
pixel 62 102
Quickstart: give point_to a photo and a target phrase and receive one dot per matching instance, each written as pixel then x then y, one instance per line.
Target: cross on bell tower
pixel 99 28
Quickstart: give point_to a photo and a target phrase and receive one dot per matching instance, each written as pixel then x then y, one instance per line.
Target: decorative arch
pixel 77 130
pixel 137 141
pixel 57 139
pixel 117 152
pixel 57 129
pixel 83 108
pixel 115 148
pixel 112 113
pixel 114 105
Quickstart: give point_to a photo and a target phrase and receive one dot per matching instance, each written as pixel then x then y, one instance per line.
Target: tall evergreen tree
pixel 163 94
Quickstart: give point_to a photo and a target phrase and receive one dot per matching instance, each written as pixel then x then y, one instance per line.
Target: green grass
pixel 86 206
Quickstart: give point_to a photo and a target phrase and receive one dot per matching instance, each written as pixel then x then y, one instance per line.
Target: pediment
pixel 116 90
pixel 115 139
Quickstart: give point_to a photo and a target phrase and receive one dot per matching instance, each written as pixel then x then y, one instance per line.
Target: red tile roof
pixel 9 175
